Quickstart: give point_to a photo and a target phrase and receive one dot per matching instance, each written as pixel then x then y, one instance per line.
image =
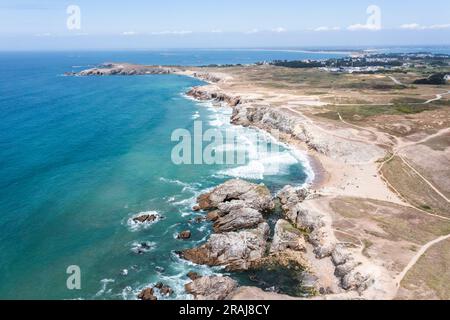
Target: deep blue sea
pixel 81 156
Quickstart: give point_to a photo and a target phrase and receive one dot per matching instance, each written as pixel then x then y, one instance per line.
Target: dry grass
pixel 413 188
pixel 388 221
pixel 430 277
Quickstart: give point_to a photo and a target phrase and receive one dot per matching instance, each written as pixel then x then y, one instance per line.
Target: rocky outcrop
pixel 238 219
pixel 214 94
pixel 124 69
pixel 251 195
pixel 193 275
pixel 286 237
pixel 147 295
pixel 209 77
pixel 302 129
pixel 164 290
pixel 241 233
pixel 184 235
pixel 299 210
pixel 211 288
pixel 233 250
pixel 145 218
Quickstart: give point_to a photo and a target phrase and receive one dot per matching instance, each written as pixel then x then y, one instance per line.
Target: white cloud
pixel 358 27
pixel 175 32
pixel 325 28
pixel 439 26
pixel 416 26
pixel 279 30
pixel 411 26
pixel 216 31
pixel 129 33
pixel 252 31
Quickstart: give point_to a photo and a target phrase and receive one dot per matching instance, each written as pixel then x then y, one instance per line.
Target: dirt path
pixel 416 258
pixel 438 97
pixel 395 81
pixel 425 179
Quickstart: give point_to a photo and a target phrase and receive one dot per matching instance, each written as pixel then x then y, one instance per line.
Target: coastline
pixel 324 184
pixel 343 210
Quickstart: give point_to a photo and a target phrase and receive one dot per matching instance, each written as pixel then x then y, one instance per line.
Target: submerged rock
pixel 145 218
pixel 211 288
pixel 164 290
pixel 184 235
pixel 234 250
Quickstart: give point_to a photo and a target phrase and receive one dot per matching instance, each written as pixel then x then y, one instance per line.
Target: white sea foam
pixel 104 285
pixel 187 187
pixel 142 247
pixel 136 225
pixel 196 115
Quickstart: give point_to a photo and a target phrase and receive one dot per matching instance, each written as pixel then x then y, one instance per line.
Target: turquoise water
pixel 80 156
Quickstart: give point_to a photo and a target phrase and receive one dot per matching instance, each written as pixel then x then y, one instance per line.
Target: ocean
pixel 80 157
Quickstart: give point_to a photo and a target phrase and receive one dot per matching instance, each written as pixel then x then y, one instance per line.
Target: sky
pixel 139 24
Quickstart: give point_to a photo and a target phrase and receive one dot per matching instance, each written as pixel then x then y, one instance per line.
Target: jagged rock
pixel 290 194
pixel 255 196
pixel 323 245
pixel 212 215
pixel 165 290
pixel 296 211
pixel 287 237
pixel 213 93
pixel 243 218
pixel 147 295
pixel 225 207
pixel 340 255
pixel 344 269
pixel 269 118
pixel 307 217
pixel 199 219
pixel 234 250
pixel 356 280
pixel 193 275
pixel 196 208
pixel 184 235
pixel 211 288
pixel 145 218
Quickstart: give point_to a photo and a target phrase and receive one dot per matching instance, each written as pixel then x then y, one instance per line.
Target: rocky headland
pixel 242 241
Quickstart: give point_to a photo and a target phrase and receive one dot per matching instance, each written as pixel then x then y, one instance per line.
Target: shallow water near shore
pixel 81 156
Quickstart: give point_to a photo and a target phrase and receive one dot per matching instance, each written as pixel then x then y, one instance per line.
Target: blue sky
pixel 26 24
